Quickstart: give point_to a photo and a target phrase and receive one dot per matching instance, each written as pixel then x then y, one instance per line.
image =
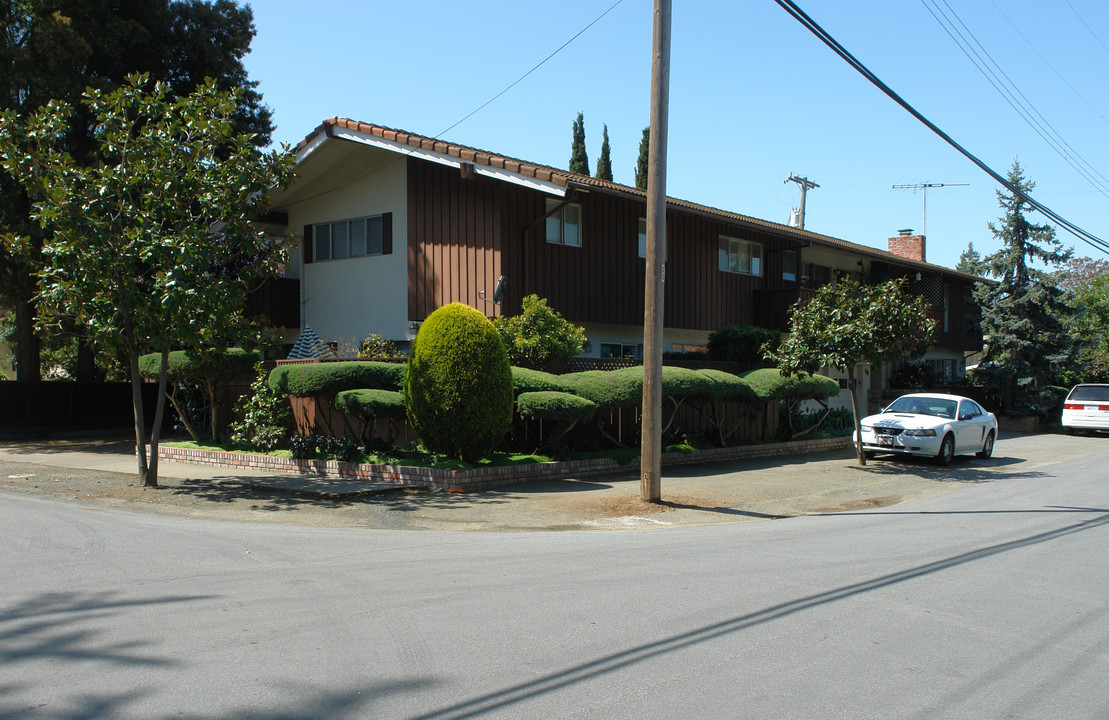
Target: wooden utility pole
pixel 650 482
pixel 806 185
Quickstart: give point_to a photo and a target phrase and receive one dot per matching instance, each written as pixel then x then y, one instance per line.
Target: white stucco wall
pixel 346 300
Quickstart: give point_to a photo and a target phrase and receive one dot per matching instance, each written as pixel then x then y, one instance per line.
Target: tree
pixel 1077 271
pixel 153 247
pixel 579 159
pixel 970 261
pixel 538 335
pixel 1089 325
pixel 641 163
pixel 849 324
pixel 54 49
pixel 604 162
pixel 1027 346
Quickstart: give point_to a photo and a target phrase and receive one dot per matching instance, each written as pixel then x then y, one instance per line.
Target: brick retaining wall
pixel 484 477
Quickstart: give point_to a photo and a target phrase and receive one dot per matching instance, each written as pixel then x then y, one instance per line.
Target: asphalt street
pixel 988 602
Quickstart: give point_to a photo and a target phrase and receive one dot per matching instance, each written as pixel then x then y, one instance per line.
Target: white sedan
pixel 939 426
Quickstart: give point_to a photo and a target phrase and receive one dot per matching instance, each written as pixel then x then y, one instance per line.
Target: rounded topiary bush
pixel 458 388
pixel 554 406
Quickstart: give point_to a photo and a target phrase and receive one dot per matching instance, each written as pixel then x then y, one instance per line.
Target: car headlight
pixel 921 433
pixel 867 428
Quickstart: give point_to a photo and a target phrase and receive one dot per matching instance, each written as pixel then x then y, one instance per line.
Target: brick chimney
pixel 908 245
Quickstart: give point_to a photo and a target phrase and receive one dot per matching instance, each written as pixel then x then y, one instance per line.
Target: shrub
pixel 743 344
pixel 538 334
pixel 727 386
pixel 914 375
pixel 212 371
pixel 526 380
pixel 608 389
pixel 554 406
pixel 326 380
pixel 369 404
pixel 771 384
pixel 375 345
pixel 458 388
pixel 265 416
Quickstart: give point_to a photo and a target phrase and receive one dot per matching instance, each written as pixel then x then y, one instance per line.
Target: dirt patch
pixel 858 505
pixel 613 506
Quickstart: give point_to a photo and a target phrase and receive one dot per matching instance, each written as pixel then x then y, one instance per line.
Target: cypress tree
pixel 641 164
pixel 579 160
pixel 604 162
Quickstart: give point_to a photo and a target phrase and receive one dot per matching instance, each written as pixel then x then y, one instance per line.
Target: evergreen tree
pixel 641 163
pixel 970 261
pixel 579 160
pixel 1028 347
pixel 604 162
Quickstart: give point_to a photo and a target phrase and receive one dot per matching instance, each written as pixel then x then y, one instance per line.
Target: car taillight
pixel 1073 406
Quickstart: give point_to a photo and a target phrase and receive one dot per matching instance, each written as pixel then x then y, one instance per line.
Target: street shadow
pixel 963 469
pixel 721 510
pixel 509 696
pixel 61 627
pixel 109 445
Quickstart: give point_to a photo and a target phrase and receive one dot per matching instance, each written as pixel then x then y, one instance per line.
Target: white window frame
pixel 563 227
pixel 730 256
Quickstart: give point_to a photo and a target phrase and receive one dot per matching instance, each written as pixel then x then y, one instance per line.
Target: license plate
pixel 885 440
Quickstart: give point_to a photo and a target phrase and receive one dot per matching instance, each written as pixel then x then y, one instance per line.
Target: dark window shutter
pixel 387 233
pixel 306 244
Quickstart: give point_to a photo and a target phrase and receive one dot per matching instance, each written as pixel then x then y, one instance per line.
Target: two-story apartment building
pixel 394 225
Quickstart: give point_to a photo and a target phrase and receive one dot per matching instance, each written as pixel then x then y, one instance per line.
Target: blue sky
pixel 753 97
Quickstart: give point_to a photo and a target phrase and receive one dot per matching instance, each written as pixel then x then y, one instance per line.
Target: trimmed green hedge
pixel 771 384
pixel 458 389
pixel 525 380
pixel 182 365
pixel 608 389
pixel 368 404
pixel 554 406
pixel 331 378
pixel 726 386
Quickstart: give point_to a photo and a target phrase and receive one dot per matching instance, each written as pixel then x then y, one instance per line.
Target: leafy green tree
pixel 1088 324
pixel 539 335
pixel 579 159
pixel 604 162
pixel 848 324
pixel 154 247
pixel 1028 347
pixel 641 163
pixel 53 50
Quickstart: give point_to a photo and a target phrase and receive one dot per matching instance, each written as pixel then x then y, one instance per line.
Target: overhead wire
pixel 469 115
pixel 990 69
pixel 812 26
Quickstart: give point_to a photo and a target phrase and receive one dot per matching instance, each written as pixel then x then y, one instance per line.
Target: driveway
pixel 101 473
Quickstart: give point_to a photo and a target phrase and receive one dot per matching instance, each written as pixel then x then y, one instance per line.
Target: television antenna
pixel 924 186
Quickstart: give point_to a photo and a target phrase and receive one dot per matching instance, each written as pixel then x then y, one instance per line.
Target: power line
pixel 1009 92
pixel 798 14
pixel 469 115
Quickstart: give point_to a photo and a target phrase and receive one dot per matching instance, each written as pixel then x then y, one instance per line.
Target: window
pixel 685 347
pixel 619 350
pixel 563 225
pixel 342 239
pixel 944 369
pixel 789 265
pixel 643 241
pixel 740 256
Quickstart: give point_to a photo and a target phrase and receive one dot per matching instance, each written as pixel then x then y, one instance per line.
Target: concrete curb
pixel 484 477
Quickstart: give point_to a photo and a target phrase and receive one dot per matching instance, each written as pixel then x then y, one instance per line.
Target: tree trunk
pixel 159 413
pixel 86 361
pixel 145 478
pixel 27 360
pixel 851 386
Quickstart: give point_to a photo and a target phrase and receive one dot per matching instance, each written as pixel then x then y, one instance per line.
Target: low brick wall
pixel 485 477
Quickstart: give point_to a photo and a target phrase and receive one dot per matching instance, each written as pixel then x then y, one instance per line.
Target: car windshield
pixel 940 407
pixel 1094 393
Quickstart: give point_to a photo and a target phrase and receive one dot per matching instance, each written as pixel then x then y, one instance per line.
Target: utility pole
pixel 806 185
pixel 924 187
pixel 650 462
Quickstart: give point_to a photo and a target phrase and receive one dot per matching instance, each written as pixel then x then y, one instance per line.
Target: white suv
pixel 1086 408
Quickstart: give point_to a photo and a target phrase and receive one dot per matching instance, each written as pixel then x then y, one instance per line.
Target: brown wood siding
pixel 452 239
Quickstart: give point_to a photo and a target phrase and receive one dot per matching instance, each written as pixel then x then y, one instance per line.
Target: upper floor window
pixel 740 256
pixel 564 224
pixel 357 237
pixel 643 240
pixel 789 265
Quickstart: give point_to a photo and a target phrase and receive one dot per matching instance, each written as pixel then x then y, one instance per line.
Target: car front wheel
pixel 987 447
pixel 947 450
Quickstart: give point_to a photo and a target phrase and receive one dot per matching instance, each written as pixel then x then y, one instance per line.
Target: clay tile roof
pixel 566 178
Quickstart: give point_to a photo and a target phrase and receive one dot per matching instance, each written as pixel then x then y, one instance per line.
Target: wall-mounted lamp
pixel 918 277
